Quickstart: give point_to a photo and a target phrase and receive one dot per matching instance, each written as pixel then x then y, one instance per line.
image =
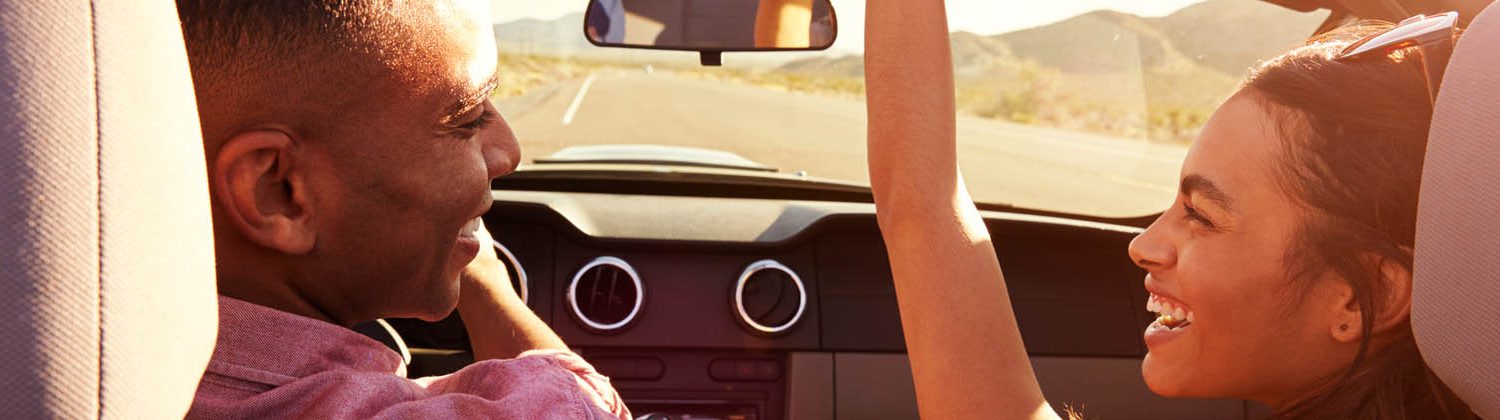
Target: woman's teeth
pixel 1170 314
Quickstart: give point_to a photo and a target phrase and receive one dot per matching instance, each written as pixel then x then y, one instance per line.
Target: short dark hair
pixel 250 58
pixel 217 31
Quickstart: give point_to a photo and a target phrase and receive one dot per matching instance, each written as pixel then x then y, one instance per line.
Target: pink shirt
pixel 272 364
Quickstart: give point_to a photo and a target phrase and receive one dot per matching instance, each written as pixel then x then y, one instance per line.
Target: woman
pixel 1282 272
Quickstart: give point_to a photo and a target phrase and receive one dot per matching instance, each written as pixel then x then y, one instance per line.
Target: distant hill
pixel 843 66
pixel 1225 36
pixel 973 54
pixel 1102 71
pixel 1097 42
pixel 1118 59
pixel 563 35
pixel 1109 71
pixel 1229 35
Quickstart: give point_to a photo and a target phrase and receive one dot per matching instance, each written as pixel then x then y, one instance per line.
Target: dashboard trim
pixel 523 287
pixel 572 296
pixel 682 220
pixel 739 296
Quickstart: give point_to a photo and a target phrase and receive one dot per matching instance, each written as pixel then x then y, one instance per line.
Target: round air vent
pixel 606 294
pixel 515 271
pixel 769 298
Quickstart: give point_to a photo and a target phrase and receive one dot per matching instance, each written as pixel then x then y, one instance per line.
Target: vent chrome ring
pixel 523 286
pixel 635 279
pixel 739 297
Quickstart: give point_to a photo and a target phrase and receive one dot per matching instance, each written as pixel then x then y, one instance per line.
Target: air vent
pixel 769 298
pixel 605 294
pixel 514 270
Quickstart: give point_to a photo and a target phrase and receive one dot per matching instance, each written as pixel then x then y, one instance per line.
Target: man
pixel 350 146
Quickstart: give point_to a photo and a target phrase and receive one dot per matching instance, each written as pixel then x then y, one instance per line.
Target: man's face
pixel 396 189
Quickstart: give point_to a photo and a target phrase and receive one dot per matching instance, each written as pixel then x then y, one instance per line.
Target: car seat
pixel 106 243
pixel 1456 275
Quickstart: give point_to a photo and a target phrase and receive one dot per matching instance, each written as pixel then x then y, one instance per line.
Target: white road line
pixel 577 100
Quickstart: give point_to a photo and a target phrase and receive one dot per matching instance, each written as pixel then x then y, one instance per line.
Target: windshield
pixel 1075 106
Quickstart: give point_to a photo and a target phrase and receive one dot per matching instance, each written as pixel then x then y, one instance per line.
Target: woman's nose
pixel 1154 249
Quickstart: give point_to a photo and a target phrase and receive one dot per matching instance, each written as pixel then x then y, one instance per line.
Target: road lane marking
pixel 577 100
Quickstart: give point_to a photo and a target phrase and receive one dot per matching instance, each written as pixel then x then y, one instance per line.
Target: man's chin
pixel 435 317
pixel 442 304
pixel 438 314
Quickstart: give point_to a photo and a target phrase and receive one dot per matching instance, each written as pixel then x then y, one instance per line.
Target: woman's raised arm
pixel 961 335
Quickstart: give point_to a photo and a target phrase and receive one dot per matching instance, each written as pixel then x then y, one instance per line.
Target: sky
pixel 978 16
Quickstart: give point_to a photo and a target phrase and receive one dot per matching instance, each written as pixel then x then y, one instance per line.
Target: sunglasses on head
pixel 1431 36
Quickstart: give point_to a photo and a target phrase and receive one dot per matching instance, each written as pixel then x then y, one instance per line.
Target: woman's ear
pixel 1392 301
pixel 257 183
pixel 1348 317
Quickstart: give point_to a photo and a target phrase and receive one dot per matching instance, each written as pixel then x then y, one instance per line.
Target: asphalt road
pixel 1002 162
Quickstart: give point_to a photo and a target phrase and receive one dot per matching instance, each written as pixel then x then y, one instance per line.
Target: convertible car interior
pixel 704 283
pixel 754 307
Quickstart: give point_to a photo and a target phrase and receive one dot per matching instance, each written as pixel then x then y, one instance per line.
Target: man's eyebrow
pixel 1198 184
pixel 473 99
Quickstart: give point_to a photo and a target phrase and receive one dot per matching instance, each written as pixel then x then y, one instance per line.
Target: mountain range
pixel 1204 46
pixel 563 35
pixel 1102 71
pixel 1223 35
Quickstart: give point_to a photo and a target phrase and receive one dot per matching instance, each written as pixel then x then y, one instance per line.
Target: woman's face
pixel 1217 260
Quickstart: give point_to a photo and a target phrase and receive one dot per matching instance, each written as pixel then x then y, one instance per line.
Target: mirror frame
pixel 832 13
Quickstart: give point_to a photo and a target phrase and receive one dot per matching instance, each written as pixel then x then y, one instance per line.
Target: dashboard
pixel 747 309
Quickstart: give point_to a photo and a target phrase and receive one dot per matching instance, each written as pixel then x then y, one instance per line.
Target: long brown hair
pixel 1354 135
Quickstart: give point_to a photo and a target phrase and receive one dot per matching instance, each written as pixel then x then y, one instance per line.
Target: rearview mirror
pixel 711 26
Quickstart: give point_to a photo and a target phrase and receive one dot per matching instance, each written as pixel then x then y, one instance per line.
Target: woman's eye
pixel 1192 215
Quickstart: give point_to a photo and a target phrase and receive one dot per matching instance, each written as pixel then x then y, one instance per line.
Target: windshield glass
pixel 1075 106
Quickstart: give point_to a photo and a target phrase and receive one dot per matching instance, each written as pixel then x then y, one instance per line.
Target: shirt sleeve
pixel 595 385
pixel 536 384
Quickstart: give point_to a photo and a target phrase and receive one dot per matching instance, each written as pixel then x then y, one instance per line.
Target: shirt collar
pixel 264 339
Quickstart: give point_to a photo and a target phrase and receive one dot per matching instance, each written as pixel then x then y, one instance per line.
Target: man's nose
pixel 501 151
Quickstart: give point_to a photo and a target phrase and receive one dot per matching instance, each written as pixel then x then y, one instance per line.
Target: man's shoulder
pixel 257 342
pixel 337 392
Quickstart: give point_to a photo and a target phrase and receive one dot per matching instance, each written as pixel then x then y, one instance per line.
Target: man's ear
pixel 257 184
pixel 1392 300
